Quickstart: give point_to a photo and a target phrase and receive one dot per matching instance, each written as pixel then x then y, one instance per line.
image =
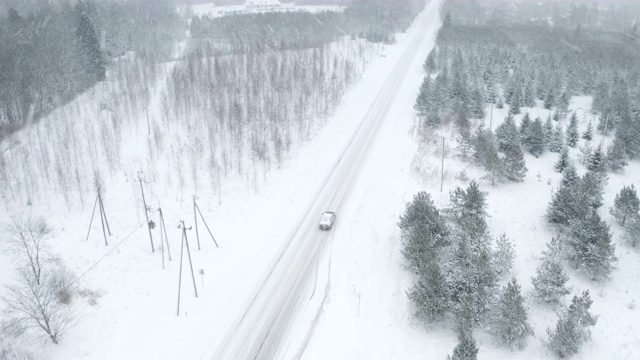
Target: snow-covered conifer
pixel 550 281
pixel 563 161
pixel 572 131
pixel 513 164
pixel 512 327
pixel 590 246
pixel 465 350
pixel 535 138
pixel 572 328
pixel 597 161
pixel 429 294
pixel 632 230
pixel 625 204
pixel 504 255
pixel 616 156
pixel 588 134
pixel 556 142
pixel 507 135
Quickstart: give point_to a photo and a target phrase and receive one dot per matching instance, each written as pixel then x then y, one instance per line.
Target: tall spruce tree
pixel 616 156
pixel 556 142
pixel 588 134
pixel 429 294
pixel 89 44
pixel 572 131
pixel 598 162
pixel 467 349
pixel 512 327
pixel 572 328
pixel 507 135
pixel 504 255
pixel 632 230
pixel 563 161
pixel 535 138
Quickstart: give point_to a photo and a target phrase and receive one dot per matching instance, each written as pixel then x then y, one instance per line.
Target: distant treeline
pixel 375 20
pixel 50 53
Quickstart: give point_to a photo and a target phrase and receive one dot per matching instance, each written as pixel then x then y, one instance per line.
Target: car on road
pixel 327 219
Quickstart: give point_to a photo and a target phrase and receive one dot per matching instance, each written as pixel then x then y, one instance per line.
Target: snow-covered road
pixel 263 324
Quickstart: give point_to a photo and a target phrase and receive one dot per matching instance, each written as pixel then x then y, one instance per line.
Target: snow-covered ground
pixel 366 313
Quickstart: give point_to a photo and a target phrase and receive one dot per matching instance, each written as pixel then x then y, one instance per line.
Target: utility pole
pixel 442 170
pixel 606 124
pixel 146 209
pixel 491 118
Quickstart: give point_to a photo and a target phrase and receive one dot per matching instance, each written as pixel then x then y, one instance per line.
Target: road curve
pixel 265 320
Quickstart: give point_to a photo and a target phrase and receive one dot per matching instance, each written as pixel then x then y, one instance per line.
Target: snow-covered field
pixel 366 313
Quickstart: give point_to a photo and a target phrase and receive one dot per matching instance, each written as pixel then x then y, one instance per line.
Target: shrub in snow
pixel 550 281
pixel 572 328
pixel 590 246
pixel 511 326
pixel 625 204
pixel 504 255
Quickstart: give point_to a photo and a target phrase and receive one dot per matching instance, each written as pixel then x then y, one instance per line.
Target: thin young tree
pixel 27 243
pixel 512 326
pixel 625 204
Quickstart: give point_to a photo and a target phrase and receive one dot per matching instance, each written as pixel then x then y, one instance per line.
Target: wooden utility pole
pixel 195 220
pixel 196 207
pixel 185 241
pixel 442 169
pixel 103 218
pixel 146 215
pixel 491 118
pixel 606 124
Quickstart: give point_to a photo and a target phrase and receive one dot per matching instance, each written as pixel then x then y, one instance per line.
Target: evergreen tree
pixel 89 44
pixel 601 97
pixel 556 143
pixel 429 294
pixel 512 327
pixel 563 161
pixel 500 104
pixel 548 130
pixel 468 209
pixel 572 131
pixel 422 228
pixel 625 204
pixel 549 98
pixel 588 134
pixel 525 124
pixel 535 139
pixel 597 161
pixel 515 102
pixel 422 101
pixel 590 246
pixel 504 255
pixel 550 281
pixel 572 328
pixel 592 189
pixel 477 104
pixel 632 230
pixel 507 135
pixel 562 106
pixel 430 62
pixel 465 350
pixel 513 164
pixel 466 316
pixel 464 142
pixel 568 204
pixel 616 156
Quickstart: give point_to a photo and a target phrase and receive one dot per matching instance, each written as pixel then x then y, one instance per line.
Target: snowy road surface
pixel 265 319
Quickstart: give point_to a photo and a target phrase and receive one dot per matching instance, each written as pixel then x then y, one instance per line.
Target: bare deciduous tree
pixel 27 243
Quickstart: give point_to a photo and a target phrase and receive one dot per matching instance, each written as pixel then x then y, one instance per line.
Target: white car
pixel 327 219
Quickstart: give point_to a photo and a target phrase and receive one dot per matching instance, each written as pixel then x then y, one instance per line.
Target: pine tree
pixel 512 327
pixel 597 161
pixel 525 124
pixel 429 294
pixel 465 350
pixel 590 246
pixel 507 135
pixel 568 203
pixel 562 105
pixel 89 44
pixel 422 228
pixel 556 143
pixel 504 255
pixel 616 156
pixel 549 98
pixel 515 102
pixel 500 104
pixel 625 204
pixel 513 164
pixel 430 62
pixel 592 188
pixel 632 230
pixel 477 104
pixel 422 101
pixel 548 130
pixel 563 161
pixel 550 281
pixel 588 134
pixel 466 316
pixel 572 131
pixel 468 209
pixel 535 139
pixel 572 328
pixel 464 142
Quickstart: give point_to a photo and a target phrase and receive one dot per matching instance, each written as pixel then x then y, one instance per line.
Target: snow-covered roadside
pixel 367 313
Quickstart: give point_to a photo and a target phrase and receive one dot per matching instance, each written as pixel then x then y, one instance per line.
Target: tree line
pixel 52 52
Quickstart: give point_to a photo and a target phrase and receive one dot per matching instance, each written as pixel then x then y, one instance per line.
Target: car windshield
pixel 326 217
